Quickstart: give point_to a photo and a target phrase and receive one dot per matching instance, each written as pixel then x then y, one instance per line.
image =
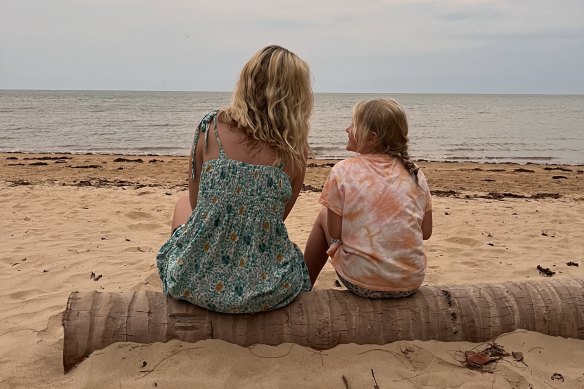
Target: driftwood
pixel 322 319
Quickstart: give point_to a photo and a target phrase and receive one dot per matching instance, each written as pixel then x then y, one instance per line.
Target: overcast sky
pixel 459 46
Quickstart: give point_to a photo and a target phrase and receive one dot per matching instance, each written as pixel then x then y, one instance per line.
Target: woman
pixel 230 250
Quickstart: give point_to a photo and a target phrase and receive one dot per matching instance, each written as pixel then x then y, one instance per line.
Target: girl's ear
pixel 373 138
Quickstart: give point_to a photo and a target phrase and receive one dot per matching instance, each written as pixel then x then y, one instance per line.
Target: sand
pixel 65 216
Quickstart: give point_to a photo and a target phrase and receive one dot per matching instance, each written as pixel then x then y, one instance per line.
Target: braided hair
pixel 387 119
pixel 403 156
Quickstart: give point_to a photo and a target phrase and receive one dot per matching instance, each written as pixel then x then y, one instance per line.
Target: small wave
pixel 462 149
pixel 327 148
pixel 165 125
pixel 495 158
pixel 161 148
pixel 525 158
pixel 15 128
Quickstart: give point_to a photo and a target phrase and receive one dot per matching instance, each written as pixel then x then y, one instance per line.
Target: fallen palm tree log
pixel 324 318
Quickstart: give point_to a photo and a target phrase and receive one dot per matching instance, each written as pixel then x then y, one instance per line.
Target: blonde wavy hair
pixel 272 103
pixel 387 119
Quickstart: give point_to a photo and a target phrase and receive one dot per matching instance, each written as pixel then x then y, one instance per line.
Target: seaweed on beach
pixel 538 196
pixel 310 188
pixel 45 158
pixel 137 160
pixel 104 183
pixel 496 195
pixel 86 167
pixel 326 164
pixel 501 195
pixel 445 193
pixel 19 182
pixel 544 271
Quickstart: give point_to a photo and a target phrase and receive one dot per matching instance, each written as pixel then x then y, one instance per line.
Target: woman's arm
pixel 297 182
pixel 427 225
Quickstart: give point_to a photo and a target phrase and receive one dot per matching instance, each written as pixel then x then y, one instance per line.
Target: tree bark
pixel 324 318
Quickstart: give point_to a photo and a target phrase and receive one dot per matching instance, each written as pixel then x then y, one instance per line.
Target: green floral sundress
pixel 233 254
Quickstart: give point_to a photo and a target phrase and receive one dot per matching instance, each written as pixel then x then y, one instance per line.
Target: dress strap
pixel 203 127
pixel 222 154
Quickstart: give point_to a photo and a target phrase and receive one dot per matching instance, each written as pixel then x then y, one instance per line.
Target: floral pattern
pixel 233 254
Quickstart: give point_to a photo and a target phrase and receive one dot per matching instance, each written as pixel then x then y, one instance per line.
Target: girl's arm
pixel 334 224
pixel 427 225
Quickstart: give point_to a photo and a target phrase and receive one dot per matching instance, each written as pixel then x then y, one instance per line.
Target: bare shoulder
pixel 238 147
pixel 295 169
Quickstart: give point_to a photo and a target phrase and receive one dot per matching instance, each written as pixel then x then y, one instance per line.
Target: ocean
pixel 443 127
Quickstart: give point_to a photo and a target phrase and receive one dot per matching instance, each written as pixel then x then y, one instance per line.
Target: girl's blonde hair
pixel 272 103
pixel 388 120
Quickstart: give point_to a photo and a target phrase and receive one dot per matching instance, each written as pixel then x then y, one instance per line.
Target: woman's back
pixel 238 148
pixel 234 254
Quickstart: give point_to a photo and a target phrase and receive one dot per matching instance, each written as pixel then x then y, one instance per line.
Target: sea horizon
pixel 315 92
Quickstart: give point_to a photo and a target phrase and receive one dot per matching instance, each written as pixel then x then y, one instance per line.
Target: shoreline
pixel 545 161
pixel 446 179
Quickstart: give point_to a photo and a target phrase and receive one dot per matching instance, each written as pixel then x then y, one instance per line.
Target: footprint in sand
pixel 146 226
pixel 24 295
pixel 469 263
pixel 463 241
pixel 139 216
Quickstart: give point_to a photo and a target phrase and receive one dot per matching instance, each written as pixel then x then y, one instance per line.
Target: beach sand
pixel 65 216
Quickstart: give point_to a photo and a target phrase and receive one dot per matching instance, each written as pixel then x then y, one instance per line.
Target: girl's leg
pixel 318 243
pixel 182 211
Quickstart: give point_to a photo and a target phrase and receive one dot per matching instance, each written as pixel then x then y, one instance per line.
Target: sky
pixel 379 46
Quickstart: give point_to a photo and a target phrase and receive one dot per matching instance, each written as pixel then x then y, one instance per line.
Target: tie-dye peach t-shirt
pixel 382 210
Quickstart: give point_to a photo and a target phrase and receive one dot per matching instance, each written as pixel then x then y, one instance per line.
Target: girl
pixel 229 250
pixel 377 209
